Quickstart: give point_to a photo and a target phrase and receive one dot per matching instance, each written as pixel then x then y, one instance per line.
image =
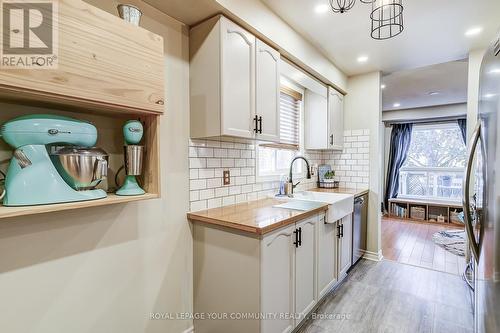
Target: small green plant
pixel 329 175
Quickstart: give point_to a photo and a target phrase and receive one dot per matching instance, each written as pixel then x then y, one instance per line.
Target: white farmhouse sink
pixel 339 205
pixel 303 205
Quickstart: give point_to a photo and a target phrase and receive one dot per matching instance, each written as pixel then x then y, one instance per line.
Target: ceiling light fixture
pixel 341 6
pixel 382 86
pixel 362 59
pixel 396 105
pixel 387 18
pixel 473 31
pixel 321 9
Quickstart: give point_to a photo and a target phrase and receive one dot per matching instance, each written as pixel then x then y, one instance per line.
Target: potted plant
pixel 329 177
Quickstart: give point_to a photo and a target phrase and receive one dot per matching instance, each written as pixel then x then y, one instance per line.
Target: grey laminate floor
pixel 389 296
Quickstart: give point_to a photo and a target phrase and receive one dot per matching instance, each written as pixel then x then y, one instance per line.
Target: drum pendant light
pixel 341 6
pixel 387 18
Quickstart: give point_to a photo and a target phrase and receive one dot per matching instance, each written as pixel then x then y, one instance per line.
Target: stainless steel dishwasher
pixel 360 221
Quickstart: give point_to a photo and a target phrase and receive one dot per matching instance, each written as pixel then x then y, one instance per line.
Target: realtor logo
pixel 29 34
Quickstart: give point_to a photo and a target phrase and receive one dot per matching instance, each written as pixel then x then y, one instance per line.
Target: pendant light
pixel 341 6
pixel 387 18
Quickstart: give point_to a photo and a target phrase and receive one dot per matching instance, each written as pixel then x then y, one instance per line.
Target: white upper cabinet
pixel 238 80
pixel 335 119
pixel 324 120
pixel 316 120
pixel 234 83
pixel 268 92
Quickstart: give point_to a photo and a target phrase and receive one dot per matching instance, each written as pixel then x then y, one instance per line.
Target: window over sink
pixel 273 159
pixel 435 165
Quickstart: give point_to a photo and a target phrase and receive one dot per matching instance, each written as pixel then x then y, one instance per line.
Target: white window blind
pixel 290 103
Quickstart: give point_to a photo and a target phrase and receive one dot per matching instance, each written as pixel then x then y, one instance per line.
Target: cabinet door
pixel 345 246
pixel 316 121
pixel 267 92
pixel 237 81
pixel 335 119
pixel 305 267
pixel 277 279
pixel 327 256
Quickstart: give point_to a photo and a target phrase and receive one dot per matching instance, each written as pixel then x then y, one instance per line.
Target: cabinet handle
pixel 342 230
pixel 300 236
pixel 331 140
pixel 296 243
pixel 160 102
pixel 260 125
pixel 256 123
pixel 338 231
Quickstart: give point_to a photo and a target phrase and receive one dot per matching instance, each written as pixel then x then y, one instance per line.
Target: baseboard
pixel 374 256
pixel 189 330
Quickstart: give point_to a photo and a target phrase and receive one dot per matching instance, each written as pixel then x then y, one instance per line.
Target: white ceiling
pixel 411 88
pixel 434 32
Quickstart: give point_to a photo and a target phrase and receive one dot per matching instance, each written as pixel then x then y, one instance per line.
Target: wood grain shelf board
pixel 111 199
pixel 453 204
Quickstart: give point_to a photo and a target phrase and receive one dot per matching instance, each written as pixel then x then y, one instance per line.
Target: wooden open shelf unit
pixel 432 209
pixel 109 71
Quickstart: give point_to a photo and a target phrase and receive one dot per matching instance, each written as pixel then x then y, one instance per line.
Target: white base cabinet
pixel 237 273
pixel 344 246
pixel 284 273
pixel 327 256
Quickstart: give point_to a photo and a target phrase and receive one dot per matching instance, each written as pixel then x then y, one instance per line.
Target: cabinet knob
pixel 160 102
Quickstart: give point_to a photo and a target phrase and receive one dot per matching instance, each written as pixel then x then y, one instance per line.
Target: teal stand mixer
pixel 132 133
pixel 53 161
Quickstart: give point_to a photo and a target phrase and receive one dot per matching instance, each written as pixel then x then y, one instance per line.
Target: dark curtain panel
pixel 400 144
pixel 462 123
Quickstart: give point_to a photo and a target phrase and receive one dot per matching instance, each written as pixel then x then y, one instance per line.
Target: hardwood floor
pixel 411 243
pixel 391 297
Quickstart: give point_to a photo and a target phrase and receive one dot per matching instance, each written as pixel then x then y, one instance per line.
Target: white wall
pixel 475 59
pixel 104 270
pixel 363 110
pixel 290 43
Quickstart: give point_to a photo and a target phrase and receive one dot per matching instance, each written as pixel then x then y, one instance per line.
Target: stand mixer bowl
pixel 81 168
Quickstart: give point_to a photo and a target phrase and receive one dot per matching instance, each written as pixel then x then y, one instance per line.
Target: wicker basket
pixel 328 184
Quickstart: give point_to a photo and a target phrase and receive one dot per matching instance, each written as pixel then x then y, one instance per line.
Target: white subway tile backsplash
pixel 197 184
pixel 207 194
pixel 214 203
pixel 196 162
pixel 209 158
pixel 213 163
pixel 198 205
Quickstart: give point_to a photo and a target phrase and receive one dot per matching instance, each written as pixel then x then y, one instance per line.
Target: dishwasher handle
pixel 359 201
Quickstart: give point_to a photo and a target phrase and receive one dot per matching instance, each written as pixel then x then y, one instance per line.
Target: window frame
pixel 427 170
pixel 275 176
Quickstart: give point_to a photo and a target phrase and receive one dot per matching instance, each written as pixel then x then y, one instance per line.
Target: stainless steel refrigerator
pixel 482 198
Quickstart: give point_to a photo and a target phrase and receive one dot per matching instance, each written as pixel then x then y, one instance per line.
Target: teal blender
pixel 132 133
pixel 54 161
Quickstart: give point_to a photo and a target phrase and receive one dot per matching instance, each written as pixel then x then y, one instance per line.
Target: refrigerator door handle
pixel 466 188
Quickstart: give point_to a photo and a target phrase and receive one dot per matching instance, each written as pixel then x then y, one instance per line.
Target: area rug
pixel 451 240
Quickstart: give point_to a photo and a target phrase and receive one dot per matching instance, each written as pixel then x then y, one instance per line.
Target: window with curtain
pixel 274 158
pixel 435 164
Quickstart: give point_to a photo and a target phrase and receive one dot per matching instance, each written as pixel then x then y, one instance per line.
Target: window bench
pixel 425 210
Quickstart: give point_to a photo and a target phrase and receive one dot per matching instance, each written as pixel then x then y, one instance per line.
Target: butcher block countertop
pixel 355 192
pixel 257 217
